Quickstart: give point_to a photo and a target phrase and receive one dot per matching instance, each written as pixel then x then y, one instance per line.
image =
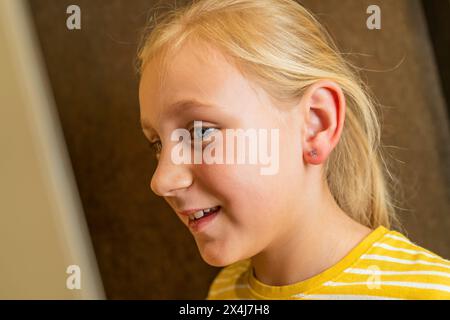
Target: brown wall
pixel 142 249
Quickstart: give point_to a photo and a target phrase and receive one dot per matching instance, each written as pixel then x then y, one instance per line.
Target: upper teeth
pixel 201 213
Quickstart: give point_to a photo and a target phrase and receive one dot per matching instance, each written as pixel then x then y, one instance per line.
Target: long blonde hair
pixel 284 49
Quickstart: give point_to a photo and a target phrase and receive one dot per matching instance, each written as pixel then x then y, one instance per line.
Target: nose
pixel 170 177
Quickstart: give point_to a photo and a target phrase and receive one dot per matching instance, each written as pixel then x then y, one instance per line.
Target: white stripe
pixel 392 236
pixel 226 271
pixel 343 297
pixel 416 285
pixel 380 272
pixel 229 278
pixel 403 261
pixel 219 291
pixel 414 244
pixel 388 247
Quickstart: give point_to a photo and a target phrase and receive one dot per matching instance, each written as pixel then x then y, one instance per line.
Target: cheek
pixel 250 197
pixel 256 210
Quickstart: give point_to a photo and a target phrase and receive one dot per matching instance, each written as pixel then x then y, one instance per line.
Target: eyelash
pixel 156 146
pixel 203 128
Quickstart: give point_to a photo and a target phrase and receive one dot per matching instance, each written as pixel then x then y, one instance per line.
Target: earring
pixel 313 153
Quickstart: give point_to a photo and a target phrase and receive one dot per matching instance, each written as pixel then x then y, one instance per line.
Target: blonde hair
pixel 284 49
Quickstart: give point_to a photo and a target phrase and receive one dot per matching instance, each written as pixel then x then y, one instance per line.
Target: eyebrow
pixel 186 104
pixel 177 107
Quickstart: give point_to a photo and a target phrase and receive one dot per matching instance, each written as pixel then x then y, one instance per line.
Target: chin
pixel 216 262
pixel 217 257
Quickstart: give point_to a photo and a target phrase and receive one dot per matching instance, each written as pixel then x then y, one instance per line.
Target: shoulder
pixel 396 247
pixel 228 278
pixel 407 269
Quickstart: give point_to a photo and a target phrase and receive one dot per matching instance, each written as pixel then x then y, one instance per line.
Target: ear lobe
pixel 316 151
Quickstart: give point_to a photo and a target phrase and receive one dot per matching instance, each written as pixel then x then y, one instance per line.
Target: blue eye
pixel 202 132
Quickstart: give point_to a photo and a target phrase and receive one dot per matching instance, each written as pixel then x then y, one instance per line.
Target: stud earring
pixel 313 153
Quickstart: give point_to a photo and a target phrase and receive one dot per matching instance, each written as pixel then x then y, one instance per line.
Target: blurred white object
pixel 42 226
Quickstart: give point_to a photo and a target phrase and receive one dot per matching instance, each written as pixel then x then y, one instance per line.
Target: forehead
pixel 196 72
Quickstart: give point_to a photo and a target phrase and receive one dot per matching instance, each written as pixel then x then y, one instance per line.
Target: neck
pixel 316 241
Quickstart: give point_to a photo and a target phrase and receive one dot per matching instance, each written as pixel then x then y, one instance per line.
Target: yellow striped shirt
pixel 385 265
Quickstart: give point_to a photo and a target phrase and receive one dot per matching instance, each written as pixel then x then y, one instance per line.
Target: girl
pixel 319 228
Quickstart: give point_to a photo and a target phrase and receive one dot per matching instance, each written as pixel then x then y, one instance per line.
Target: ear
pixel 324 107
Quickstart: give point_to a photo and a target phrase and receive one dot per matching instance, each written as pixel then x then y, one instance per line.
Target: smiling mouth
pixel 203 213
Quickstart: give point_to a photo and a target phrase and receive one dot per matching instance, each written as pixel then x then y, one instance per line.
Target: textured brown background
pixel 143 250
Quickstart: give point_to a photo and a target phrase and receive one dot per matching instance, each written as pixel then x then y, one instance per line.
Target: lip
pixel 187 213
pixel 197 226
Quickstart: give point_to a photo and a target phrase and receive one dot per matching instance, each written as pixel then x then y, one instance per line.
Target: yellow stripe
pixel 431 276
pixel 402 292
pixel 344 297
pixel 406 260
pixel 402 284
